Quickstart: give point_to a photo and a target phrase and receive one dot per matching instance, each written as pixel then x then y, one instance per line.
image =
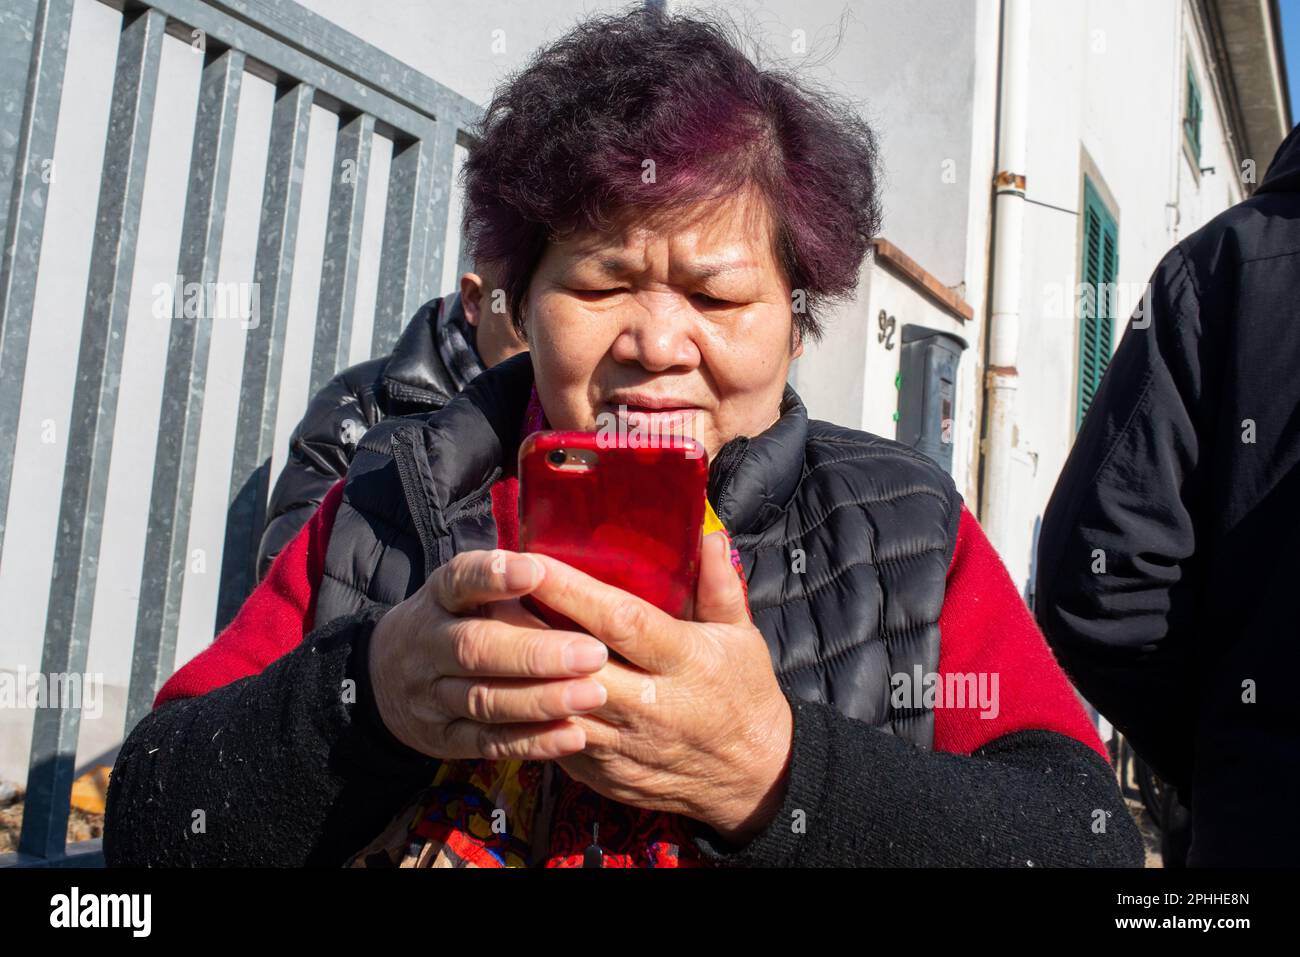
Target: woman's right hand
pixel 461 670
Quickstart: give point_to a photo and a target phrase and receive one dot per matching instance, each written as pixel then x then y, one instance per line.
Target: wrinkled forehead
pixel 703 240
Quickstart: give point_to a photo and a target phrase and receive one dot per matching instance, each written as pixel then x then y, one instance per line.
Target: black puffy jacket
pixel 1166 580
pixel 412 379
pixel 307 778
pixel 874 522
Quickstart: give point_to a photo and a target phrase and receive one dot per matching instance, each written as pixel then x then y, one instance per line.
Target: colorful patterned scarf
pixel 479 813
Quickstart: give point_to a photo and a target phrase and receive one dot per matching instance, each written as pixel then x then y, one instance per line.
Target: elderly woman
pixel 669 220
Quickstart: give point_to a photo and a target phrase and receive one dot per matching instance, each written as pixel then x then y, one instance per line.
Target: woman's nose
pixel 657 336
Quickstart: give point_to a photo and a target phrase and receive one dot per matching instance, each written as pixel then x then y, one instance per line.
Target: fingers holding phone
pixel 461 670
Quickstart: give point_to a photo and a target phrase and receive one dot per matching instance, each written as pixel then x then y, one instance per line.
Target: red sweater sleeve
pixel 272 621
pixel 987 632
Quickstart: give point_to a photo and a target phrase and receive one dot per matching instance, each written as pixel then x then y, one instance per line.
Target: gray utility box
pixel 927 390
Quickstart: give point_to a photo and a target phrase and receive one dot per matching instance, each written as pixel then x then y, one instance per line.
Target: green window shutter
pixel 1099 271
pixel 1194 114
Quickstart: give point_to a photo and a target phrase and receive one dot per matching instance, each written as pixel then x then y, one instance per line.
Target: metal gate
pixel 311 62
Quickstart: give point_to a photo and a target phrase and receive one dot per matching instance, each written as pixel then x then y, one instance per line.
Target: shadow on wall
pixel 101 733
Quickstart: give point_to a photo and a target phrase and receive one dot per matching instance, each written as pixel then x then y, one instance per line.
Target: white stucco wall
pixel 908 67
pixel 923 74
pixel 1108 80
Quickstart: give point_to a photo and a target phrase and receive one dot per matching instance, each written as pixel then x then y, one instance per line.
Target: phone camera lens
pixel 557 457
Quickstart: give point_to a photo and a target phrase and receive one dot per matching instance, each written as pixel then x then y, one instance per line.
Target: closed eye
pixel 710 302
pixel 591 294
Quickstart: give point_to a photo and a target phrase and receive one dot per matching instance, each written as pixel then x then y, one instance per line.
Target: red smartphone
pixel 630 517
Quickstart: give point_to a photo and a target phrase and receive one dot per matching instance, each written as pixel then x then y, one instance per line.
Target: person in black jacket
pixel 1166 581
pixel 449 341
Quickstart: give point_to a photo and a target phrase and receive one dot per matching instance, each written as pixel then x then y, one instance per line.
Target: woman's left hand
pixel 694 722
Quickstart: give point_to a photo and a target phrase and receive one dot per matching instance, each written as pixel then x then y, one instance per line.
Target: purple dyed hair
pixel 562 145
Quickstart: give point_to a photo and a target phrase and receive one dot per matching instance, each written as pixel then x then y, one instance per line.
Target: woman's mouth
pixel 656 419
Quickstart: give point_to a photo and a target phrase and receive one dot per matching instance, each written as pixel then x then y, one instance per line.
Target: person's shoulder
pixel 415 373
pixel 838 443
pixel 378 440
pixel 347 394
pixel 1264 226
pixel 340 409
pixel 877 468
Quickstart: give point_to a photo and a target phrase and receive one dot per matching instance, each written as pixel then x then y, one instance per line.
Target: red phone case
pixel 633 520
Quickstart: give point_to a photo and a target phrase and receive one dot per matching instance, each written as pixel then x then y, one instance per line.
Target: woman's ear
pixel 796 342
pixel 471 297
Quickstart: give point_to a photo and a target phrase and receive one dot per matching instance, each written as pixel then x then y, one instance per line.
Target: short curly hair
pixel 562 148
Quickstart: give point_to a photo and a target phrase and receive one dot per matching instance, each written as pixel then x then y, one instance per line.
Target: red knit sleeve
pixel 993 655
pixel 273 619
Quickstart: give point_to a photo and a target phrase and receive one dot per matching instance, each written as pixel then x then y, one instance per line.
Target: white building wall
pixel 923 74
pixel 1107 98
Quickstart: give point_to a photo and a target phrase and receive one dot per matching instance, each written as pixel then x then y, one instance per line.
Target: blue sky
pixel 1291 42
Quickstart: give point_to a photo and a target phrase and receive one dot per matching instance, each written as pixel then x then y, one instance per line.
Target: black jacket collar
pixel 414 371
pixel 751 479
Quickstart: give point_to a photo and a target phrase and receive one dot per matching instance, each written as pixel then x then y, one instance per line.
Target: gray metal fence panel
pixel 181 415
pixel 338 279
pixel 259 392
pixel 312 62
pixel 94 409
pixel 33 53
pixel 406 228
pixel 444 156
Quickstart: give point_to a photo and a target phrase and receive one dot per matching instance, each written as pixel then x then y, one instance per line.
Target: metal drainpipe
pixel 1001 377
pixel 1173 211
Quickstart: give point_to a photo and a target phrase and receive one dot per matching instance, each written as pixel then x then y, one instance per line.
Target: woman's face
pixel 687 325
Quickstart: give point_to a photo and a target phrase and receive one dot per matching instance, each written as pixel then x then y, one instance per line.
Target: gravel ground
pixel 82 826
pixel 1150 835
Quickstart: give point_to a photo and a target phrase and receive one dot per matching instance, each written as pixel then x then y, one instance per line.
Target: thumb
pixel 719 596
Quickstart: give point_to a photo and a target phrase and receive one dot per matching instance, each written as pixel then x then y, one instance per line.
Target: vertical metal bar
pixel 465 262
pixel 406 232
pixel 163 578
pixel 259 389
pixel 338 276
pixel 437 245
pixel 22 23
pixel 33 53
pixel 94 409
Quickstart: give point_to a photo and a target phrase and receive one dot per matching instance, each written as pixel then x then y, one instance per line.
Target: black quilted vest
pixel 845 537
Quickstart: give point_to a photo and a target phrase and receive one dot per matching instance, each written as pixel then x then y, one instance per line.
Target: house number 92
pixel 887 325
